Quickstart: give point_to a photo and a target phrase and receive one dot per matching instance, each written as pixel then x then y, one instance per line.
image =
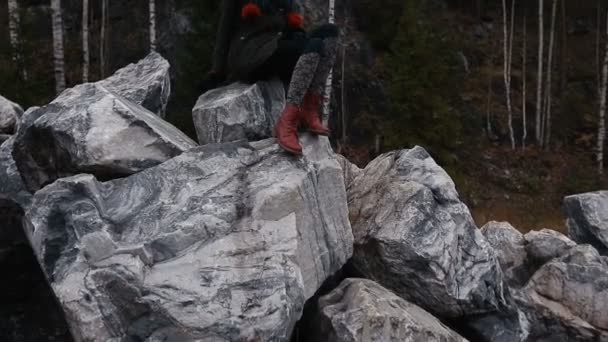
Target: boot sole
pixel 290 150
pixel 323 133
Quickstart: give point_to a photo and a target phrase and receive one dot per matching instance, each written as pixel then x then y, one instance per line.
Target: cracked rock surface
pixel 545 245
pixel 222 243
pixel 415 237
pixel 91 129
pixel 566 299
pixel 146 83
pixel 510 247
pixel 239 111
pixel 362 310
pixel 10 114
pixel 587 219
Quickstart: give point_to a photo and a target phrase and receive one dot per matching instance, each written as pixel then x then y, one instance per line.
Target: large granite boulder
pixel 222 243
pixel 238 112
pixel 350 170
pixel 146 83
pixel 11 186
pixel 10 113
pixel 510 248
pixel 587 219
pixel 362 310
pixel 29 309
pixel 92 129
pixel 545 245
pixel 14 199
pixel 414 236
pixel 566 299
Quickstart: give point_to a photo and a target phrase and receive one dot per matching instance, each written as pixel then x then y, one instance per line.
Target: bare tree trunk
pixel 489 132
pixel 14 23
pixel 328 84
pixel 506 73
pixel 597 46
pixel 539 86
pixel 511 34
pixel 523 76
pixel 601 133
pixel 563 72
pixel 102 43
pixel 58 52
pixel 547 127
pixel 152 25
pixel 85 41
pixel 343 95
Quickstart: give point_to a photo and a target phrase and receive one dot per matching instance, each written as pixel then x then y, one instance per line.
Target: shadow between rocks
pixel 29 311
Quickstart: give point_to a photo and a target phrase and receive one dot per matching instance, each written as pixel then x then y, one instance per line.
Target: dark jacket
pixel 243 45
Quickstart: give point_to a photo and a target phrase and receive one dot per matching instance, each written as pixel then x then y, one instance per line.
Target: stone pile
pixel 144 235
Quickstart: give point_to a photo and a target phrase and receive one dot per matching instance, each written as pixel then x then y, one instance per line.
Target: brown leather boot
pixel 286 130
pixel 310 114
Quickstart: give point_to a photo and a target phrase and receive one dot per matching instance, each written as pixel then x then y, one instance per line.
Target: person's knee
pixel 315 45
pixel 325 31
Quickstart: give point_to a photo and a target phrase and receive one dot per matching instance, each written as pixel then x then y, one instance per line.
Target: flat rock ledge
pixel 239 111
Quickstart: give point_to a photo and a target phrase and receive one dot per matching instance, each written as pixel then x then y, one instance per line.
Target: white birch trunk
pixel 85 41
pixel 58 52
pixel 102 43
pixel 547 127
pixel 598 36
pixel 343 95
pixel 601 133
pixel 506 73
pixel 511 34
pixel 524 74
pixel 377 143
pixel 489 132
pixel 152 25
pixel 14 23
pixel 329 82
pixel 539 86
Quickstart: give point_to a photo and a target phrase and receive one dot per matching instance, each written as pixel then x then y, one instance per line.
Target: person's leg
pixel 304 71
pixel 286 129
pixel 329 34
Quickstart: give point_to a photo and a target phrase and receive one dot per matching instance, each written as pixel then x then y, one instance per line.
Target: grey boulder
pixel 587 219
pixel 92 129
pixel 239 112
pixel 350 170
pixel 146 83
pixel 415 237
pixel 362 310
pixel 222 243
pixel 13 199
pixel 10 113
pixel 11 186
pixel 510 247
pixel 545 245
pixel 566 299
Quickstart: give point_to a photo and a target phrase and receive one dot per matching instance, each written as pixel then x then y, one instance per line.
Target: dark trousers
pixel 289 49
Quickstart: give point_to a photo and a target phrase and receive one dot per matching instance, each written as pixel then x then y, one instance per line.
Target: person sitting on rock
pixel 265 38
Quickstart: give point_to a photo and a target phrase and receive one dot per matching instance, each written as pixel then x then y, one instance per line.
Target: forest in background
pixel 440 74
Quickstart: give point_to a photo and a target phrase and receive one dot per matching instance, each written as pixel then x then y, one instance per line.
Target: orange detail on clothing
pixel 251 11
pixel 295 20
